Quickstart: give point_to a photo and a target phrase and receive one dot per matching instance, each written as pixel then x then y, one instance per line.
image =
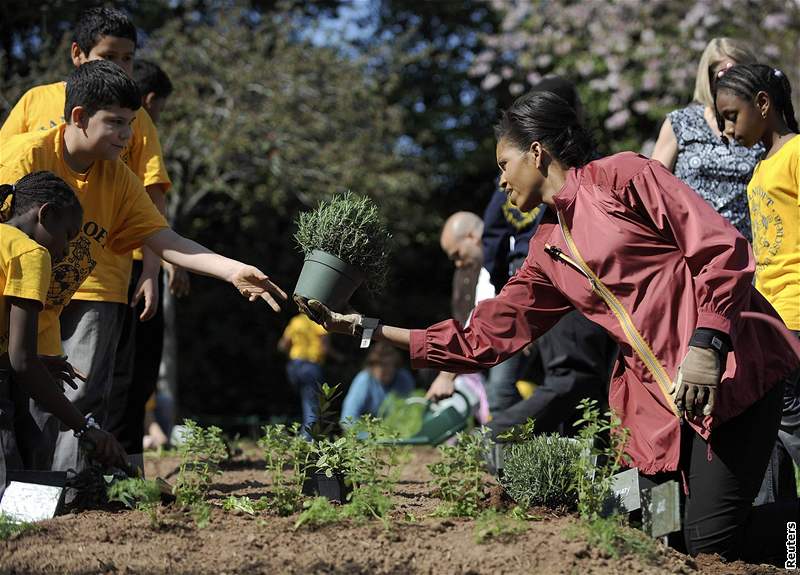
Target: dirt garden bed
pixel 123 541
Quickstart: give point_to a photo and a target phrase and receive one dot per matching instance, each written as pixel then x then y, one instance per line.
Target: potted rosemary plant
pixel 345 243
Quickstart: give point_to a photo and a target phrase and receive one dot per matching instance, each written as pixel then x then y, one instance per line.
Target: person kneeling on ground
pixel 381 376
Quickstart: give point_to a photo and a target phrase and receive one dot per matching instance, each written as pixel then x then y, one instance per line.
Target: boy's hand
pixel 178 280
pixel 252 283
pixel 147 288
pixel 106 448
pixel 61 370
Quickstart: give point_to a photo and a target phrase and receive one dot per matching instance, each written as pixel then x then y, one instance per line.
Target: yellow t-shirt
pixel 306 337
pixel 24 273
pixel 118 216
pixel 775 218
pixel 42 108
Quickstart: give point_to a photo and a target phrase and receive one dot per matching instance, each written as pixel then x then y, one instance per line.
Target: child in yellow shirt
pixel 104 34
pixel 754 104
pixel 306 343
pixel 101 103
pixel 43 216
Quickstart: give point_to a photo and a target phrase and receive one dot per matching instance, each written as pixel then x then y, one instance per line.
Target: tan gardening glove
pixel 697 382
pixel 348 324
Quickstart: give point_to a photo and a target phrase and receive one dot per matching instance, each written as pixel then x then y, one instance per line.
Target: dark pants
pixel 577 356
pixel 136 368
pixel 306 378
pixel 724 477
pixel 779 480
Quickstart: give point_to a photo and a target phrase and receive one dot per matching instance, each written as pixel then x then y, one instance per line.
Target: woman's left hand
pixel 697 382
pixel 253 284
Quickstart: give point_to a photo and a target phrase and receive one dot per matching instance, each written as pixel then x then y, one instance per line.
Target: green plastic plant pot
pixel 328 279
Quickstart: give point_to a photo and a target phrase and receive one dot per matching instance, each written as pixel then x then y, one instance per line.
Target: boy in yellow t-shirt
pixel 306 342
pixel 106 34
pixel 118 217
pixel 43 215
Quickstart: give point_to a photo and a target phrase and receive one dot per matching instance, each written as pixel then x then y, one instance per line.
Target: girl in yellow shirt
pixel 42 217
pixel 754 104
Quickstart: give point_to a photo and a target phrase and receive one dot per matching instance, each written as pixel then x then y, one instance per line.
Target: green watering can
pixel 440 421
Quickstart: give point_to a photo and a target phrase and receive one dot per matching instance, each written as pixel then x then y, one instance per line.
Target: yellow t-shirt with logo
pixel 118 216
pixel 306 337
pixel 24 273
pixel 775 218
pixel 42 108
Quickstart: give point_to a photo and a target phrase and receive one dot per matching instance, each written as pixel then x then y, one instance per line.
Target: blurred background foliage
pixel 281 103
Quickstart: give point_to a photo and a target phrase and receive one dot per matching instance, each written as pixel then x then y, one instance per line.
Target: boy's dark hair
pixel 151 78
pixel 100 84
pixel 95 23
pixel 547 118
pixel 747 80
pixel 34 190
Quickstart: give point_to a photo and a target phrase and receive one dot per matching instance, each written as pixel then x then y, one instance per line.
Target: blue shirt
pixel 367 393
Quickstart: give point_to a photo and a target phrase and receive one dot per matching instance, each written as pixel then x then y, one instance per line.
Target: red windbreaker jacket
pixel 641 254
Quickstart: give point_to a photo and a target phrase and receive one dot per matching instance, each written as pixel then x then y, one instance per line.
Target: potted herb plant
pixel 345 243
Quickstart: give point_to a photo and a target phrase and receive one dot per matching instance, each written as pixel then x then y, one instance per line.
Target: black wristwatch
pixel 707 338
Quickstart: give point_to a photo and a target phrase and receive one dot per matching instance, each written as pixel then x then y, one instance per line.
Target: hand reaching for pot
pixel 334 322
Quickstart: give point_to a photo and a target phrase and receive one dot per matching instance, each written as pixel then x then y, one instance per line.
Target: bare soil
pixel 122 541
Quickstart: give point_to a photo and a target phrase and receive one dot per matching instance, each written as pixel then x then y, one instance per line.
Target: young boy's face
pixel 107 132
pixel 112 48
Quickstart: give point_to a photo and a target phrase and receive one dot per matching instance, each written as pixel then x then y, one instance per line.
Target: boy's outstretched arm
pixel 31 374
pixel 251 282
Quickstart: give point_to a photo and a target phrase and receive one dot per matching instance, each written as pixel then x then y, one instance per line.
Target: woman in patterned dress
pixel 691 145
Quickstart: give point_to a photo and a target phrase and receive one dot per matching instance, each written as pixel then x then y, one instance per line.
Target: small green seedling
pixel 140 494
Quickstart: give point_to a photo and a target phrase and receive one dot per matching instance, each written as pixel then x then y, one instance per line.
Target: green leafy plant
pixel 140 494
pixel 241 504
pixel 201 452
pixel 285 449
pixel 541 471
pixel 604 455
pixel 614 538
pixel 9 527
pixel 460 475
pixel 498 526
pixel 349 227
pixel 317 512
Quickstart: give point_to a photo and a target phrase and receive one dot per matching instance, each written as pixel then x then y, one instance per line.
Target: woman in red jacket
pixel 636 251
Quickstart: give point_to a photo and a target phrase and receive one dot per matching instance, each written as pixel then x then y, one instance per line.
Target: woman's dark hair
pixel 549 119
pixel 98 85
pixel 381 354
pixel 94 23
pixel 33 191
pixel 747 80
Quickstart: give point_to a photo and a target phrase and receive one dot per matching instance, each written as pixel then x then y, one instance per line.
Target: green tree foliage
pixel 633 60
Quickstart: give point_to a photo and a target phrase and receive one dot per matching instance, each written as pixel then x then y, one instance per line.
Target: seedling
pixel 140 494
pixel 497 526
pixel 318 511
pixel 201 452
pixel 459 476
pixel 285 448
pixel 593 483
pixel 242 504
pixel 9 527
